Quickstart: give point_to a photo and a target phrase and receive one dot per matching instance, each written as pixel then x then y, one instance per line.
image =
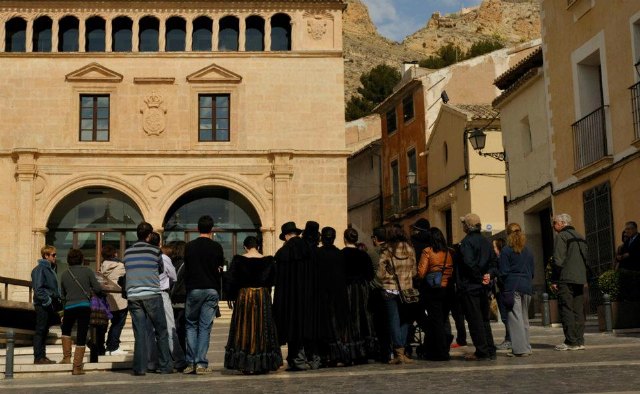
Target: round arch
pixel 221 180
pixel 75 184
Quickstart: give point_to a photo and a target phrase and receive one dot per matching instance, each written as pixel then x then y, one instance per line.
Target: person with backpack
pixel 569 258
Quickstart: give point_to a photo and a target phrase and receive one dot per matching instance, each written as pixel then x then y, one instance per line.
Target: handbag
pixel 100 313
pixel 434 279
pixel 407 296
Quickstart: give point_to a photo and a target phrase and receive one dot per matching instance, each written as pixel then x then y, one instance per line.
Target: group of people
pixel 331 307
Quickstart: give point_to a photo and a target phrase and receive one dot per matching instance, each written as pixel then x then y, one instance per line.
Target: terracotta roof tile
pixel 512 75
pixel 478 111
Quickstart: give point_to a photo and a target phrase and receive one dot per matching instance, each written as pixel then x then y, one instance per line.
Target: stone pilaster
pixel 26 170
pixel 267 34
pixel 188 44
pixel 242 38
pixel 29 36
pixel 162 35
pixel 281 173
pixel 55 30
pixel 108 35
pixel 82 35
pixel 296 31
pixel 215 32
pixel 2 34
pixel 135 35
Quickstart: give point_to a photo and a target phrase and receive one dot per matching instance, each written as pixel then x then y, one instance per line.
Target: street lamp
pixel 411 178
pixel 478 139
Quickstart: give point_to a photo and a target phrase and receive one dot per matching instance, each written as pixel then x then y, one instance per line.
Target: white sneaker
pixel 118 352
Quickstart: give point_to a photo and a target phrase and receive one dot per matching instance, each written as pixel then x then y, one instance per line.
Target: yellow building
pixel 590 48
pixel 115 112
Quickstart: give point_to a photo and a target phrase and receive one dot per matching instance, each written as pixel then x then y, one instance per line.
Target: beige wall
pixel 606 27
pixel 287 151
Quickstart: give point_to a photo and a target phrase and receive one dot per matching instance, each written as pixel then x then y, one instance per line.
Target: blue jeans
pixel 200 310
pixel 115 330
pixel 397 321
pixel 149 308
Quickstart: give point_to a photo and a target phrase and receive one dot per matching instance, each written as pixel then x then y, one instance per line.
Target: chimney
pixel 407 65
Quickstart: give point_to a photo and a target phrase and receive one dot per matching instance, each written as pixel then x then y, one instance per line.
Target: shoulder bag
pixel 99 309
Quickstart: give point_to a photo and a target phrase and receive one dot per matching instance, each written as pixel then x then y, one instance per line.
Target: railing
pixel 635 108
pixel 408 199
pixel 15 282
pixel 589 139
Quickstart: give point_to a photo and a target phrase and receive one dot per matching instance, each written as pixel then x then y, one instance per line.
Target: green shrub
pixel 609 283
pixel 484 46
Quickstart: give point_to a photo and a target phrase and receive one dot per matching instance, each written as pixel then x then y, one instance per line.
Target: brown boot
pixel 398 356
pixel 66 350
pixel 405 359
pixel 78 358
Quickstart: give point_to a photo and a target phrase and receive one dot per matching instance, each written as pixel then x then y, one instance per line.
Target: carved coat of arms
pixel 317 27
pixel 153 114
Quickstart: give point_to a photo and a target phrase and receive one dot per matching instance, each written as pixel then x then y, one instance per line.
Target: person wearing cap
pixel 294 299
pixel 477 264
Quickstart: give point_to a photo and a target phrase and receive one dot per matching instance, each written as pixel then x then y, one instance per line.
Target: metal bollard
pixel 8 368
pixel 546 313
pixel 608 320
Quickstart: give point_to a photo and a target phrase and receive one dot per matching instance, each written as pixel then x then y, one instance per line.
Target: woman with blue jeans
pixel 397 266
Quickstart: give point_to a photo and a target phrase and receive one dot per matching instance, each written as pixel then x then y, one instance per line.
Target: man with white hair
pixel 570 260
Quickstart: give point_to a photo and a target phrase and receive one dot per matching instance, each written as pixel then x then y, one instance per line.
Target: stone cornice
pixel 204 55
pixel 204 154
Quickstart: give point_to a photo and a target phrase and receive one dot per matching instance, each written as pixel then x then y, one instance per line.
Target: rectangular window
pixel 407 109
pixel 94 117
pixel 392 124
pixel 395 186
pixel 213 117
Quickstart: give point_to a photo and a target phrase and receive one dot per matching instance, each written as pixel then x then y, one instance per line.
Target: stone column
pixel 281 173
pixel 269 237
pixel 2 33
pixel 242 36
pixel 188 40
pixel 82 35
pixel 108 35
pixel 162 35
pixel 215 31
pixel 26 169
pixel 55 29
pixel 135 35
pixel 29 36
pixel 267 34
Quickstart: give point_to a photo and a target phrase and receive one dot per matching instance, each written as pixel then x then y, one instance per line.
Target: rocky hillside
pixel 512 21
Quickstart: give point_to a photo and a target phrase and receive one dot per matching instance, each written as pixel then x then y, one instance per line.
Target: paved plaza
pixel 610 364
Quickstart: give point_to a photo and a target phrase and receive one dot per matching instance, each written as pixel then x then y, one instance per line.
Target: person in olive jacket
pixel 569 259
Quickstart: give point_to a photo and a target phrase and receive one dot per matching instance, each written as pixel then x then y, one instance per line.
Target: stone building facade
pixel 116 112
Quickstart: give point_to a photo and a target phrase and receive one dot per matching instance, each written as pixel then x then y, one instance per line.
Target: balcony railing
pixel 635 108
pixel 399 204
pixel 589 138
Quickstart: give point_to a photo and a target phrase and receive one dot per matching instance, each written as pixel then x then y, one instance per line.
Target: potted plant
pixel 622 287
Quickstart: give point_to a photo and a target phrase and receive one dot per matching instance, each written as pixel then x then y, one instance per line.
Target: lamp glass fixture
pixel 411 178
pixel 478 139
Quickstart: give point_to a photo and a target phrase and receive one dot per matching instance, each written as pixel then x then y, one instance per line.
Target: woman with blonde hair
pixel 516 274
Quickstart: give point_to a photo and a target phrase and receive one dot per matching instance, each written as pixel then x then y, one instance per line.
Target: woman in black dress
pixel 359 274
pixel 252 346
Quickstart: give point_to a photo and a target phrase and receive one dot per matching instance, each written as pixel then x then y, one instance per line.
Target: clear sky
pixel 397 19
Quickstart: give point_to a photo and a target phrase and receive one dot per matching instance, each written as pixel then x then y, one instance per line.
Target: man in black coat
pixel 477 264
pixel 294 297
pixel 630 252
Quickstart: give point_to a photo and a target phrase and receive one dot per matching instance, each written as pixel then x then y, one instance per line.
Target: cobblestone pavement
pixel 609 364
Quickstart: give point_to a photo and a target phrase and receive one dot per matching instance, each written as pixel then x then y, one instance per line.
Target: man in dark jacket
pixel 46 299
pixel 478 263
pixel 630 252
pixel 569 258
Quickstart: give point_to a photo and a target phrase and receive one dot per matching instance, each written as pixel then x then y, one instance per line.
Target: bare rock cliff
pixel 511 21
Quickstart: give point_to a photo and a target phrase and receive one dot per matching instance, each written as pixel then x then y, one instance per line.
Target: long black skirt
pixel 361 324
pixel 253 346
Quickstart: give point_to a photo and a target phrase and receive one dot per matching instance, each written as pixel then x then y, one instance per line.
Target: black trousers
pixel 454 305
pixel 45 317
pixel 571 305
pixel 436 343
pixel 81 315
pixel 476 310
